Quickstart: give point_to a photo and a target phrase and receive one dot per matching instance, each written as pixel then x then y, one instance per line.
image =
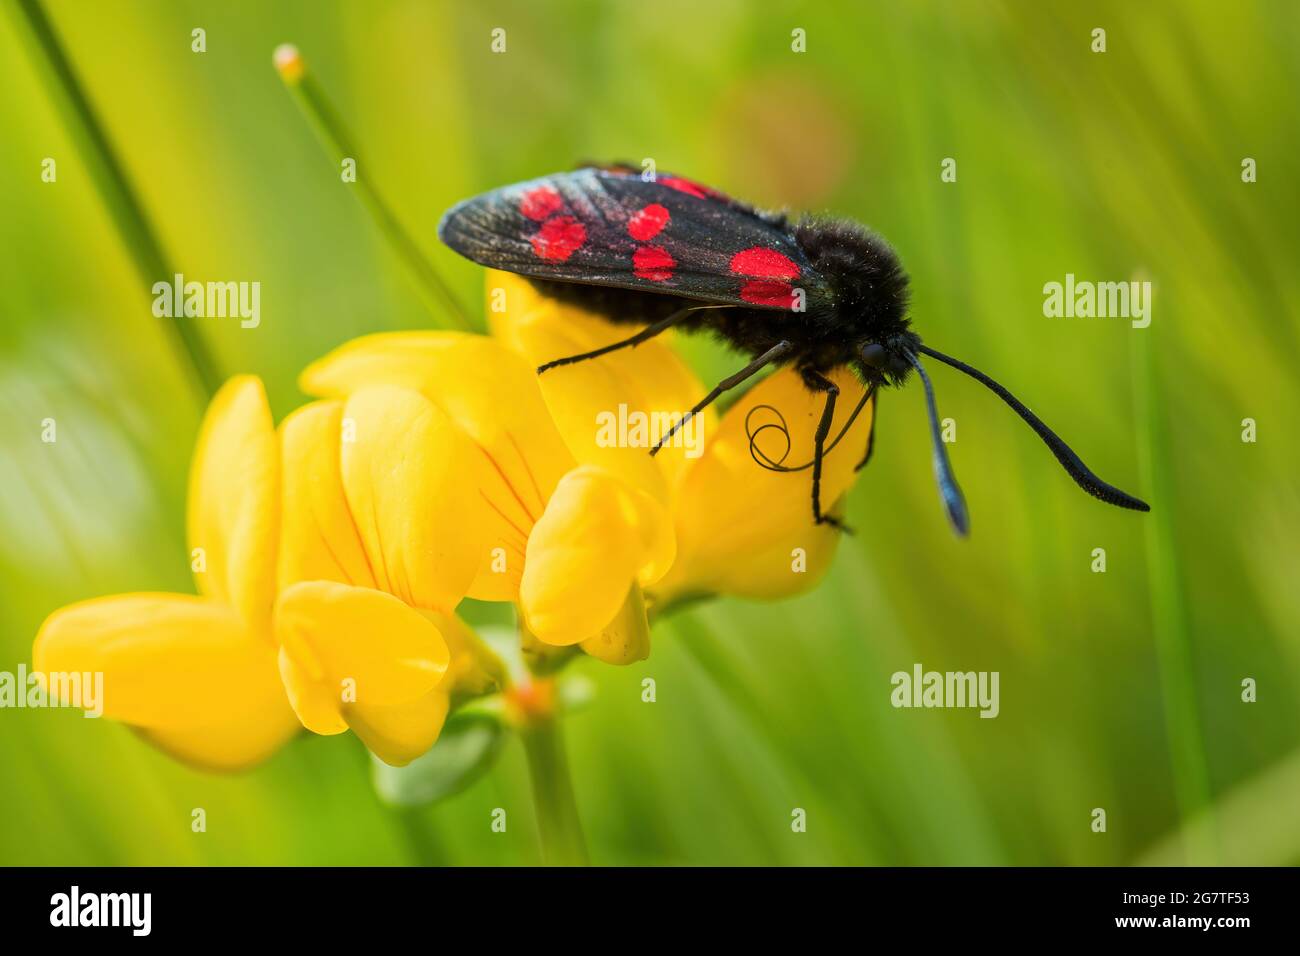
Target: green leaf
pixel 466 748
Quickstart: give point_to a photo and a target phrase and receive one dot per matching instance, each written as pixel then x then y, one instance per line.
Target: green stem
pixel 109 177
pixel 1174 652
pixel 324 120
pixel 557 812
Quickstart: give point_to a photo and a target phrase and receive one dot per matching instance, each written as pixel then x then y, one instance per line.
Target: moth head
pixel 887 362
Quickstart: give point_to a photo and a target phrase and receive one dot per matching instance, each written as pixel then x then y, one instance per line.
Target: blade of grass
pixel 110 178
pixel 1169 620
pixel 329 129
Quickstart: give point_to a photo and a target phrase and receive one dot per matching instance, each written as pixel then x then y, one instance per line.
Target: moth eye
pixel 875 356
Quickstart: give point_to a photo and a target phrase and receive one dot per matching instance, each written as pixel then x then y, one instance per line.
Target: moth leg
pixel 774 354
pixel 820 383
pixel 645 335
pixel 871 439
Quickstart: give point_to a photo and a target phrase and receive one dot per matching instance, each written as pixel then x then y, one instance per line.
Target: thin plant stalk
pixel 324 120
pixel 1169 623
pixel 114 186
pixel 563 843
pixel 535 712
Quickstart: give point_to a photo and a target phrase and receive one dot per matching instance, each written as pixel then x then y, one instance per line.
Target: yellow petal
pixel 596 538
pixel 318 538
pixel 317 702
pixel 738 523
pixel 648 380
pixel 234 500
pixel 516 303
pixel 343 645
pixel 184 669
pixel 242 742
pixel 411 488
pixel 396 733
pixel 625 639
pixel 492 395
pixel 790 563
pixel 399 733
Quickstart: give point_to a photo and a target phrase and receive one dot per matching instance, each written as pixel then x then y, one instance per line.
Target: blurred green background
pixel 1119 690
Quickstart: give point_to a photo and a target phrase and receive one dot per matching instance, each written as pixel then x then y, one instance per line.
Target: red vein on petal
pixel 517 496
pixel 537 490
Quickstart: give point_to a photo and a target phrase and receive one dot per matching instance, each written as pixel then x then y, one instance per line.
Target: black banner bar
pixel 334 905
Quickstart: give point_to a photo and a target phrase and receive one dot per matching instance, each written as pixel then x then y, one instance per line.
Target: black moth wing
pixel 609 227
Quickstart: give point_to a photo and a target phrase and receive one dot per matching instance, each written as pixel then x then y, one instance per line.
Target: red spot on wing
pixel 540 202
pixel 768 292
pixel 648 222
pixel 559 238
pixel 654 263
pixel 686 186
pixel 765 263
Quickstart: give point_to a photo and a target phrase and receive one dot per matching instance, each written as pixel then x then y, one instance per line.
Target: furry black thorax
pixel 868 305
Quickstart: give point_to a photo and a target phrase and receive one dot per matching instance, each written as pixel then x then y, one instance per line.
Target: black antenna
pixel 953 502
pixel 1080 472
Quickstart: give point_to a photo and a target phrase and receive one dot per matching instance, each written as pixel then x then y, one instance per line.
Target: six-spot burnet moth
pixel 668 252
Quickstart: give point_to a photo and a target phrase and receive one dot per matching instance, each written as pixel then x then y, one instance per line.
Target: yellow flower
pixel 383 534
pixel 581 525
pixel 740 529
pixel 197 676
pixel 571 540
pixel 330 558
